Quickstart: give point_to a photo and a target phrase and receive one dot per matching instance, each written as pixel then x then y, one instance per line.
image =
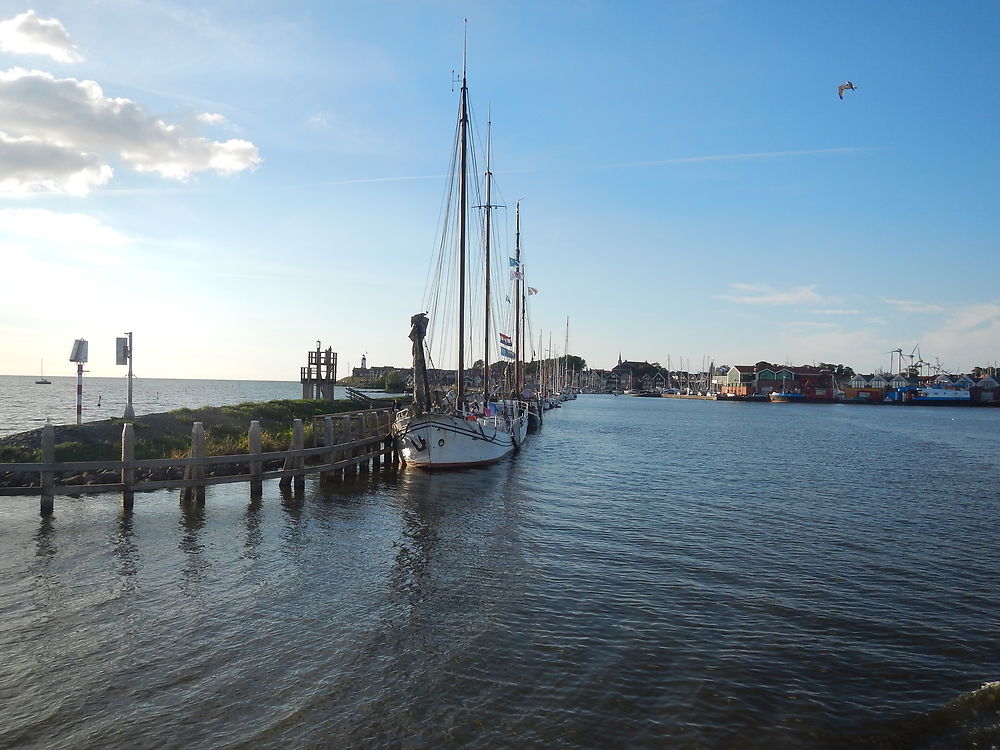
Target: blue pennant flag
pixel 505 352
pixel 514 262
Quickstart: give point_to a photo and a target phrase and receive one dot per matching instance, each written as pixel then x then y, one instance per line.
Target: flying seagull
pixel 843 87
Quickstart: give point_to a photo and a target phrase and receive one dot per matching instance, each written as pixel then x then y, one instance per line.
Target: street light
pixel 123 350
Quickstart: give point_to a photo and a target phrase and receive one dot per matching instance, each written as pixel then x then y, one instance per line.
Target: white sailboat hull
pixel 450 441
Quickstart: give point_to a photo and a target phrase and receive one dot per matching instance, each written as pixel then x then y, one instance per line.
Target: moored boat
pixel 786 397
pixel 454 429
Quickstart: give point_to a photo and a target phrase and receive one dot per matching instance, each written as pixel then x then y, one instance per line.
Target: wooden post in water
pixel 295 462
pixel 197 470
pixel 329 441
pixel 256 467
pixel 128 473
pixel 345 423
pixel 365 452
pixel 45 477
pixel 389 458
pixel 298 444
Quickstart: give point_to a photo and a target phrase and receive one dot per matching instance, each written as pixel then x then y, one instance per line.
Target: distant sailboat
pixel 42 380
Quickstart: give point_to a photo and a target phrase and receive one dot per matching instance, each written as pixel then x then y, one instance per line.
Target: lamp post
pixel 124 356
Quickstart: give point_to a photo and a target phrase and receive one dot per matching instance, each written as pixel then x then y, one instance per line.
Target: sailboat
pixel 42 380
pixel 531 398
pixel 454 429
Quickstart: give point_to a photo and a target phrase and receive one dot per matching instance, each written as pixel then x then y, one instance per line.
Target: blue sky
pixel 233 182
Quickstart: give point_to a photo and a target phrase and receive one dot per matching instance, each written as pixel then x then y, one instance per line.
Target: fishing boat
pixel 42 380
pixel 458 429
pixel 786 397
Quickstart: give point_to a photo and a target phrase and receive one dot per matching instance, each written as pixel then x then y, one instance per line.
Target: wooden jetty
pixel 343 444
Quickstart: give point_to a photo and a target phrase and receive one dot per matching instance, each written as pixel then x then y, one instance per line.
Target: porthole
pixel 441 442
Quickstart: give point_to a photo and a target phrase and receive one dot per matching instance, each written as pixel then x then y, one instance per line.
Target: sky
pixel 233 182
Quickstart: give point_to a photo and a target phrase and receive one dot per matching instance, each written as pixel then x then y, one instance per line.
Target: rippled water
pixel 645 573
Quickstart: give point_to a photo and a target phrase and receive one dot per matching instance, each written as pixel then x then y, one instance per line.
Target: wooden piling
pixel 196 471
pixel 292 463
pixel 298 444
pixel 365 464
pixel 256 466
pixel 128 473
pixel 329 442
pixel 46 477
pixel 347 437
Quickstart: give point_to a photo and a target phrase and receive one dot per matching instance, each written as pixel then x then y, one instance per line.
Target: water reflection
pixel 252 521
pixel 192 523
pixel 416 508
pixel 126 552
pixel 459 544
pixel 45 537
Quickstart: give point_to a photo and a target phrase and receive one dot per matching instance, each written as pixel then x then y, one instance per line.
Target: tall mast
pixel 541 365
pixel 518 306
pixel 566 355
pixel 462 200
pixel 486 243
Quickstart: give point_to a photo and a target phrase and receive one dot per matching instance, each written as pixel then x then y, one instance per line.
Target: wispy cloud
pixel 743 157
pixel 835 312
pixel 814 325
pixel 387 179
pixel 967 337
pixel 73 236
pixel 907 305
pixel 761 294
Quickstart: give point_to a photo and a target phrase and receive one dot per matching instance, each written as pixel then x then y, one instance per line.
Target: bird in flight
pixel 844 87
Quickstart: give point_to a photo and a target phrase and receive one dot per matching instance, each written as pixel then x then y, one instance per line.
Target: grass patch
pixel 16 455
pixel 73 451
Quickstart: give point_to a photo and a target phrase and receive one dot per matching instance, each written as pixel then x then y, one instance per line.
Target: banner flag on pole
pixel 532 290
pixel 506 340
pixel 504 352
pixel 514 262
pixel 516 274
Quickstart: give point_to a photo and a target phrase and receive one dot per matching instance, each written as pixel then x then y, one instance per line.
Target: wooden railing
pixel 349 442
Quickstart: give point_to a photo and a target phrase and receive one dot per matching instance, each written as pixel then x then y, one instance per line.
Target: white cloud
pixel 211 118
pixel 73 229
pixel 82 128
pixel 907 305
pixel 29 165
pixel 761 294
pixel 836 312
pixel 27 34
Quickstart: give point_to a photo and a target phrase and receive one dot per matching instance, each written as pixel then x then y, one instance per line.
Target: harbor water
pixel 645 573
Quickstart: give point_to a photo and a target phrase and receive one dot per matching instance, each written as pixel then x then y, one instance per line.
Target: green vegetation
pixel 15 454
pixel 576 364
pixel 168 435
pixel 394 382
